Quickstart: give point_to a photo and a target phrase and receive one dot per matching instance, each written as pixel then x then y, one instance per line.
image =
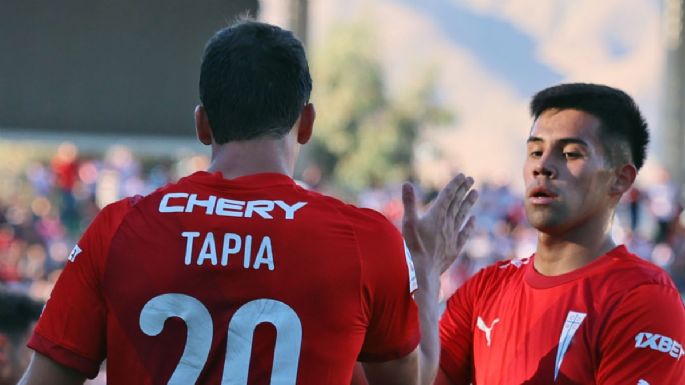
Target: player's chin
pixel 543 220
pixel 538 213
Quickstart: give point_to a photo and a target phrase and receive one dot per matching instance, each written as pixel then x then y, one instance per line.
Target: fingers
pixel 446 196
pixel 461 208
pixel 410 217
pixel 460 205
pixel 409 202
pixel 455 231
pixel 456 247
pixel 441 230
pixel 465 233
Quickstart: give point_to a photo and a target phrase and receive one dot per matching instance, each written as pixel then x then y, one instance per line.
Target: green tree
pixel 362 135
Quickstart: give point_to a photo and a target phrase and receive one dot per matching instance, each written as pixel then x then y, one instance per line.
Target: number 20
pixel 239 342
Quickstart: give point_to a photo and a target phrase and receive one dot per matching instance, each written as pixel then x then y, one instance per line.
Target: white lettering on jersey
pixel 180 202
pixel 164 204
pixel 265 255
pixel 261 207
pixel 232 244
pixel 571 325
pixel 230 208
pixel 236 241
pixel 208 204
pixel 290 210
pixel 208 251
pixel 486 329
pixel 642 382
pixel 248 251
pixel 75 252
pixel 413 284
pixel 189 236
pixel 659 343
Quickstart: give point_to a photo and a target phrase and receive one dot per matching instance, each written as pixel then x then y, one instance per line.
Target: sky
pixel 491 56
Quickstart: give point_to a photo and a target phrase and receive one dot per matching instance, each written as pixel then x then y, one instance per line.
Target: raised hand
pixel 436 238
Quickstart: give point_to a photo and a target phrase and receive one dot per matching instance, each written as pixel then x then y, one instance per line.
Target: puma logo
pixel 486 329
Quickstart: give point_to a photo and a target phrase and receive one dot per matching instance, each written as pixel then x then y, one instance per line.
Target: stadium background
pixel 96 104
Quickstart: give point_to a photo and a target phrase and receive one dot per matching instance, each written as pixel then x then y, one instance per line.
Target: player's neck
pixel 236 159
pixel 561 253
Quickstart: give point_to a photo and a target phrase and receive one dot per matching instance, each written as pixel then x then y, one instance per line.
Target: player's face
pixel 566 176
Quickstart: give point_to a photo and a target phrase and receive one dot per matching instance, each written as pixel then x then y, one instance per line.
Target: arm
pixel 390 372
pixel 426 298
pixel 402 371
pixel 435 240
pixel 43 370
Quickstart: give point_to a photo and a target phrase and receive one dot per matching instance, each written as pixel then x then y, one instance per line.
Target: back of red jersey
pixel 250 281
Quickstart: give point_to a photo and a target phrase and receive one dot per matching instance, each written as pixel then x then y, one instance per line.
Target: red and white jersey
pixel 617 320
pixel 253 280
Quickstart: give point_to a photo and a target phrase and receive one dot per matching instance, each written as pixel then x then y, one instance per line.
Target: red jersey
pixel 253 280
pixel 617 320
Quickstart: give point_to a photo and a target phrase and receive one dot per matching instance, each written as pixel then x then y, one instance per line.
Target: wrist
pixel 425 268
pixel 428 281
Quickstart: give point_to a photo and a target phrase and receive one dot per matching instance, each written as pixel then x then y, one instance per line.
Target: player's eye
pixel 535 153
pixel 572 155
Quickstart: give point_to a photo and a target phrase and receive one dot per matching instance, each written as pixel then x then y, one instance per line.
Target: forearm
pixel 426 298
pixel 43 370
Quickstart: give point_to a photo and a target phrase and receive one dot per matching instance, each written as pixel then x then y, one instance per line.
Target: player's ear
pixel 625 177
pixel 202 127
pixel 305 125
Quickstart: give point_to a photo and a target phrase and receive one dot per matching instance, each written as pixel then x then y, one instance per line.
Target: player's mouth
pixel 541 195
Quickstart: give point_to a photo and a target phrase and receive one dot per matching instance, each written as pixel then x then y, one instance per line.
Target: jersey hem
pixel 401 352
pixel 64 356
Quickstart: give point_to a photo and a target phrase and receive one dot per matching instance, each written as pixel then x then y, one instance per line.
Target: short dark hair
pixel 623 133
pixel 17 311
pixel 254 81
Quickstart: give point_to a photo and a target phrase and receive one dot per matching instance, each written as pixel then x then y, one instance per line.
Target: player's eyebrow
pixel 562 141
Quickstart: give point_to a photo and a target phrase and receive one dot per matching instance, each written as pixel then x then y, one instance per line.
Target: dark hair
pixel 254 81
pixel 17 311
pixel 624 132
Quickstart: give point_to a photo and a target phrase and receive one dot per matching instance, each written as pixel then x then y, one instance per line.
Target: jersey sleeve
pixel 456 333
pixel 72 328
pixel 393 324
pixel 642 340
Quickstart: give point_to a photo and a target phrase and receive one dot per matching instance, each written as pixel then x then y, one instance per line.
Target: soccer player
pixel 238 275
pixel 581 310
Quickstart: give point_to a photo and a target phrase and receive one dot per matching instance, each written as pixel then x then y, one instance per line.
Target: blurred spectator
pixel 663 197
pixel 17 315
pixel 634 200
pixel 65 170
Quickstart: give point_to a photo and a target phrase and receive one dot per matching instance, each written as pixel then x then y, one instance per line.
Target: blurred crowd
pixel 45 207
